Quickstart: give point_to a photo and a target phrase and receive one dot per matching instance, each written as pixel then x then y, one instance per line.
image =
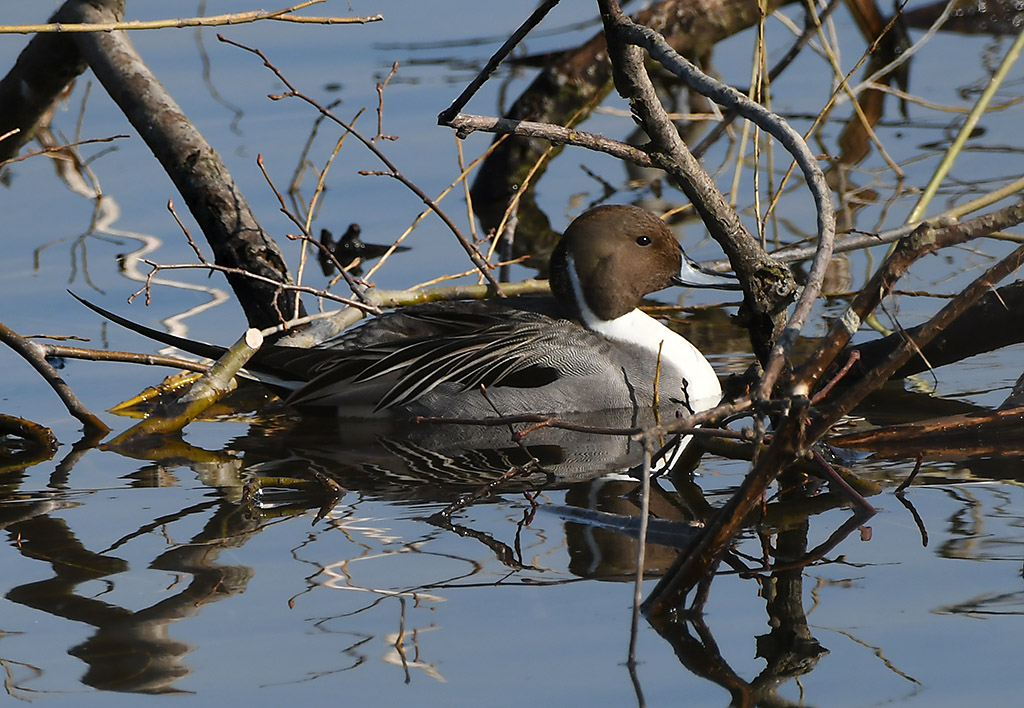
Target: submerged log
pixel 949 437
pixel 992 323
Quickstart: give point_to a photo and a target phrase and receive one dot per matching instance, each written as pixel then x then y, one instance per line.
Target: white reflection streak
pixel 396 656
pixel 337 576
pixel 107 213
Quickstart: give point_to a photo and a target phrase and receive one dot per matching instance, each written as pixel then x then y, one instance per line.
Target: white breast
pixel 644 331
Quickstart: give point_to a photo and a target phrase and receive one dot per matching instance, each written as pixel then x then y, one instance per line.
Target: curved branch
pixel 775 126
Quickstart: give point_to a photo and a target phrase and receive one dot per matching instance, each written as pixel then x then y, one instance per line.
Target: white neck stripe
pixel 590 320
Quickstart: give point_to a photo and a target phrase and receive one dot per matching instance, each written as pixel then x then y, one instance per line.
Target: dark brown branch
pixel 39 442
pixel 902 354
pixel 44 70
pixel 992 323
pixel 923 240
pixel 852 359
pixel 698 560
pixel 1016 397
pixel 957 436
pixel 796 430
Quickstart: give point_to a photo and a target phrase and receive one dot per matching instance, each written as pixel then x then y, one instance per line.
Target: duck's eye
pixel 643 240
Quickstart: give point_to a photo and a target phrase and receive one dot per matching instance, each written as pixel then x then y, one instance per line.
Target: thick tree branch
pixel 192 164
pixel 42 73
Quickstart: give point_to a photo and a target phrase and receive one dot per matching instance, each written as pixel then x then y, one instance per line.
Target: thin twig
pixel 912 476
pixel 318 292
pixel 641 543
pixel 465 124
pixel 381 85
pixel 459 103
pixel 354 286
pixel 56 148
pixel 236 18
pixel 64 352
pixel 474 255
pixel 850 361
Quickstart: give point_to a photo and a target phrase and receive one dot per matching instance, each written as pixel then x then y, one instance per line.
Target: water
pixel 128 574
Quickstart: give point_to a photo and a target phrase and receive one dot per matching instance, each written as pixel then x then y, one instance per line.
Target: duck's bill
pixel 692 275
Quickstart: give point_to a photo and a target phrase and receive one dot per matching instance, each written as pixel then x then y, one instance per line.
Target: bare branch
pixel 448 115
pixel 57 148
pixel 474 255
pixel 31 352
pixel 465 124
pixel 236 18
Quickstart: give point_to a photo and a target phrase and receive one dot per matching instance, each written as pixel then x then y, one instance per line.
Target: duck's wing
pixel 507 347
pixel 393 360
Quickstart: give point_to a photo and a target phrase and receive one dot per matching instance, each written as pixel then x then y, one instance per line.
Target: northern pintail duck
pixel 587 347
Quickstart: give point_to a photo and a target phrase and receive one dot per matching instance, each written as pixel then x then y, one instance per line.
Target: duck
pixel 586 347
